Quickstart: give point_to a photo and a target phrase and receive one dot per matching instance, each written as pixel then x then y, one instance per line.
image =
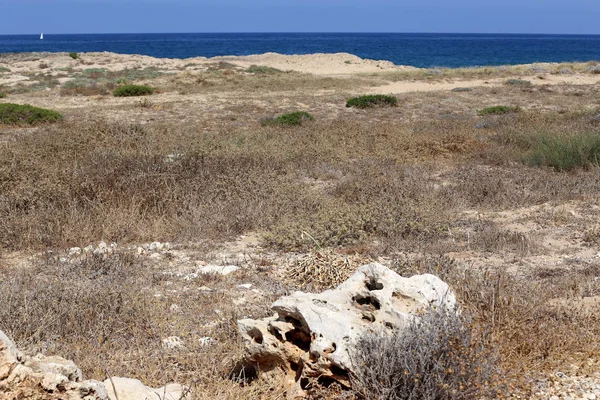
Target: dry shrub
pixel 435 358
pixel 322 270
pixel 86 90
pixel 536 325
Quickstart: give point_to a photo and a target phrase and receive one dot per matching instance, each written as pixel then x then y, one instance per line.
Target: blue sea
pixel 416 49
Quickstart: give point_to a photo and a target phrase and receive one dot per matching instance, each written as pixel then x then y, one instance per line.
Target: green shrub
pixel 74 55
pixel 462 89
pixel 17 114
pixel 498 110
pixel 3 95
pixel 133 90
pixel 262 69
pixel 295 118
pixel 518 82
pixel 377 100
pixel 566 153
pixel 4 69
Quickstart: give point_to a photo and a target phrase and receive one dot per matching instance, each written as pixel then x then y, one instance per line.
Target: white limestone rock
pixel 311 334
pixel 133 389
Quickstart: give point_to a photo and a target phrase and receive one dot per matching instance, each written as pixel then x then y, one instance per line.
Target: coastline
pixel 340 63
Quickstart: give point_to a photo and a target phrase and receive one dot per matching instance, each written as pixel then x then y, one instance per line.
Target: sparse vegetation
pixel 74 55
pixel 518 82
pixel 133 90
pixel 261 69
pixel 291 119
pixel 369 101
pixel 17 114
pixel 498 110
pixel 4 69
pixel 565 153
pixel 462 89
pixel 3 95
pixel 100 81
pixel 319 199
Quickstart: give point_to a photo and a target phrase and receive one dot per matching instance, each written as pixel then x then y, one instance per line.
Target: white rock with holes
pixel 311 335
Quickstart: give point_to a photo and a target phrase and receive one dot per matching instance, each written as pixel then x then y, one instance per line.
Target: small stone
pixel 190 277
pixel 206 341
pixel 240 301
pixel 173 342
pixel 156 256
pixel 174 307
pixel 246 286
pixel 155 246
pixel 74 251
pixel 218 269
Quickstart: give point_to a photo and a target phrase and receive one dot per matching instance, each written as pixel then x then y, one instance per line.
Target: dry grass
pixel 112 312
pixel 535 324
pixel 504 71
pixel 345 189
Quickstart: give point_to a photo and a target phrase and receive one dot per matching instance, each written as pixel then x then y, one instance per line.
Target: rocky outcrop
pixel 42 377
pixel 311 335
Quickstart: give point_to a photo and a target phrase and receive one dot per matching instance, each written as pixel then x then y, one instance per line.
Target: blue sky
pixel 141 16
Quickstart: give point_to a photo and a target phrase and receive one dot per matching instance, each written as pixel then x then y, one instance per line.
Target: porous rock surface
pixel 55 378
pixel 311 335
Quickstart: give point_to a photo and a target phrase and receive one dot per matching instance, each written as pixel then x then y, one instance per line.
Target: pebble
pixel 570 385
pixel 218 269
pixel 173 342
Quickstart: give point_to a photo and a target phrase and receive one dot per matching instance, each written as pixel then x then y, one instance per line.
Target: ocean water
pixel 420 50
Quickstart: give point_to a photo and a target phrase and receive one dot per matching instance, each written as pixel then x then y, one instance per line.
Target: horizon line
pixel 303 32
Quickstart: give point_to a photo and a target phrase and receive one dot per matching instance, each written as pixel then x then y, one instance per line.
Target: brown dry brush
pixel 111 312
pixel 535 325
pixel 434 358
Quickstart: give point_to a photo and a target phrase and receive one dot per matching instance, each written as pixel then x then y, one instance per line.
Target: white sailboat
pixel 42 36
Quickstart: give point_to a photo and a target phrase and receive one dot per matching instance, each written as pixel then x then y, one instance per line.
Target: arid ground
pixel 504 207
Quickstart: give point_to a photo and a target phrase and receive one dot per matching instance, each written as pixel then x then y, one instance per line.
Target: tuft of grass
pixel 566 153
pixel 377 100
pixel 133 90
pixel 290 119
pixel 518 82
pixel 262 69
pixel 462 89
pixel 74 55
pixel 3 95
pixel 17 114
pixel 498 110
pixel 4 69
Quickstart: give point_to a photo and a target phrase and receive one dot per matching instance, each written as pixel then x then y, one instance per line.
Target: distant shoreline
pixel 420 50
pixel 324 64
